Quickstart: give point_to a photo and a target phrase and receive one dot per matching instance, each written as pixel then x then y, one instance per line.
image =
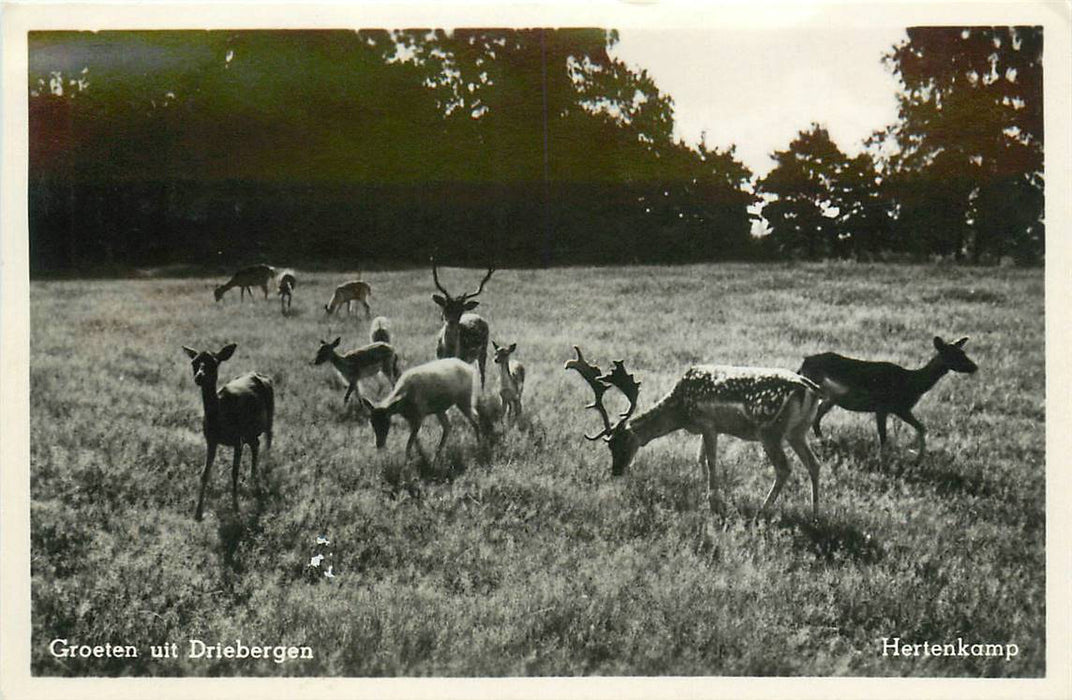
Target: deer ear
pixel 495 345
pixel 470 305
pixel 513 346
pixel 938 343
pixel 439 300
pixel 190 351
pixel 960 343
pixel 225 352
pixel 335 343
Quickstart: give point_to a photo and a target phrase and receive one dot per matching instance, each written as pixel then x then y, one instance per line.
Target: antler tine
pixel 590 373
pixel 625 383
pixel 482 283
pixel 435 278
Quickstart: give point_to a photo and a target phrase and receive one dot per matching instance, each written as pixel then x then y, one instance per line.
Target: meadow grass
pixel 523 556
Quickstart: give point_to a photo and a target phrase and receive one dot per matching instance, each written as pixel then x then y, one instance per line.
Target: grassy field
pixel 523 556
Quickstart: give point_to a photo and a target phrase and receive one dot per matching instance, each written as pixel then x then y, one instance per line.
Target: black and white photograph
pixel 642 350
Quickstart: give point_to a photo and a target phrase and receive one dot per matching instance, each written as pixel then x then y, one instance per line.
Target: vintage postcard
pixel 533 350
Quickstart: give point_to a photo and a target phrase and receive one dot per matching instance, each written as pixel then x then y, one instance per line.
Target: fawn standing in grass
pixel 287 281
pixel 769 406
pixel 512 379
pixel 235 415
pixel 349 292
pixel 882 388
pixel 245 279
pixel 358 364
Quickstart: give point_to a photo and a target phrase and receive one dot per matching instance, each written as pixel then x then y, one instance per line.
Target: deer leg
pixel 265 288
pixel 921 440
pixel 414 427
pixel 800 446
pixel 254 446
pixel 209 459
pixel 234 474
pixel 774 451
pixel 467 411
pixel 708 459
pixel 880 422
pixel 445 422
pixel 368 311
pixel 824 408
pixel 347 308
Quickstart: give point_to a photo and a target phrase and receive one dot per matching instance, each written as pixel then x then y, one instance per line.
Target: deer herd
pixel 774 407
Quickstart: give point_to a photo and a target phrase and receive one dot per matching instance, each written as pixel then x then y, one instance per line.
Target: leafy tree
pixel 968 170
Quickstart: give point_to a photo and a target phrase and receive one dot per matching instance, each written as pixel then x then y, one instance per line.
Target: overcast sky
pixel 758 88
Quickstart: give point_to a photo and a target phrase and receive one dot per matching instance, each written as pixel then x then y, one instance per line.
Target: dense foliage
pixel 516 147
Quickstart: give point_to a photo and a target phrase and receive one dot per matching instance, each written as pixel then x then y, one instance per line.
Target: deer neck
pixel 927 376
pixel 452 335
pixel 507 378
pixel 211 402
pixel 661 419
pixel 339 363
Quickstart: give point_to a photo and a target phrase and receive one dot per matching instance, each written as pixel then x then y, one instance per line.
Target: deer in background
pixel 245 279
pixel 428 389
pixel 373 359
pixel 882 388
pixel 769 406
pixel 511 379
pixel 235 415
pixel 287 282
pixel 464 335
pixel 350 292
pixel 380 332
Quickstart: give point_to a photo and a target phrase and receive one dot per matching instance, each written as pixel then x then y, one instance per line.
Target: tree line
pixel 511 147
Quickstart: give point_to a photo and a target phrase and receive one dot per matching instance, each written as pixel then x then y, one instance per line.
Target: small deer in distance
pixel 365 362
pixel 235 415
pixel 380 332
pixel 347 293
pixel 287 282
pixel 246 279
pixel 511 379
pixel 882 388
pixel 464 335
pixel 428 389
pixel 769 406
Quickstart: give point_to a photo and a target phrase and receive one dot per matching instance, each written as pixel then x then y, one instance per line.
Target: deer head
pixel 454 306
pixel 502 354
pixel 953 355
pixel 323 354
pixel 206 365
pixel 622 442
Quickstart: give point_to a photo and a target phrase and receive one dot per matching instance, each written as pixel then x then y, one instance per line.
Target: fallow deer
pixel 463 335
pixel 769 406
pixel 882 388
pixel 365 362
pixel 350 292
pixel 245 279
pixel 380 332
pixel 511 379
pixel 287 282
pixel 235 415
pixel 428 389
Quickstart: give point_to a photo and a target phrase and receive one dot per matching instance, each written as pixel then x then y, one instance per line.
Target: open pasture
pixel 523 556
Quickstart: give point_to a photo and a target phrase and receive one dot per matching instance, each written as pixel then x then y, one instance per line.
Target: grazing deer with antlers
pixel 769 406
pixel 287 282
pixel 424 390
pixel 882 388
pixel 373 359
pixel 235 415
pixel 511 379
pixel 464 335
pixel 245 279
pixel 350 292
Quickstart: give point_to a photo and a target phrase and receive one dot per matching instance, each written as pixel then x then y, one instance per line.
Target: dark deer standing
pixel 246 278
pixel 463 335
pixel 236 415
pixel 769 406
pixel 882 388
pixel 287 282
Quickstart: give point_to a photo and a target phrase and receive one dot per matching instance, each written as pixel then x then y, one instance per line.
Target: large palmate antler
pixel 618 377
